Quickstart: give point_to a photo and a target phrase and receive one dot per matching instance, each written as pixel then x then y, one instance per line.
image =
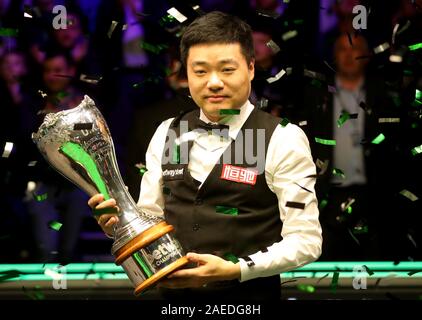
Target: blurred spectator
pixel 354 173
pixel 64 202
pixel 58 72
pixel 72 38
pixel 175 100
pixel 18 121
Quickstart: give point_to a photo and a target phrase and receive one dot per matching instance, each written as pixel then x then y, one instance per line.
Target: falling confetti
pixel 111 29
pixel 297 205
pixel 8 32
pixel 273 46
pixel 226 210
pixel 55 225
pixel 409 195
pixel 306 288
pixel 369 271
pixel 388 120
pixel 40 197
pixel 339 173
pixel 381 48
pixel 325 141
pixel 416 150
pixel 231 257
pixel 415 46
pixel 289 35
pixel 177 14
pixel 277 77
pixel 334 281
pixel 284 122
pixel 380 138
pixel 229 111
pixel 7 150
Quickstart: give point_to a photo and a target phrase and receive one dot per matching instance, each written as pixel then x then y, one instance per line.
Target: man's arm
pixel 151 199
pixel 288 172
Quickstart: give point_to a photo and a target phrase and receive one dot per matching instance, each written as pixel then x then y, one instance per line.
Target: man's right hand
pixel 109 217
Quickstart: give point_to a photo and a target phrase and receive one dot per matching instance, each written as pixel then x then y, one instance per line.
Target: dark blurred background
pixel 350 75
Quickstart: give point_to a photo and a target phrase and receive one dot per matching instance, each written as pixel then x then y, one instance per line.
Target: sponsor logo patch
pixel 239 174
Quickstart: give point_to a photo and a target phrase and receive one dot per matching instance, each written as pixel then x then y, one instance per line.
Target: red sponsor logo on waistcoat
pixel 239 174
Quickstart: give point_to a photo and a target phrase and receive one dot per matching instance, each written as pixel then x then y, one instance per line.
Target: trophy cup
pixel 77 143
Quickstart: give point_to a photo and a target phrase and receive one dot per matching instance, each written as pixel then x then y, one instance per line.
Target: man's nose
pixel 214 82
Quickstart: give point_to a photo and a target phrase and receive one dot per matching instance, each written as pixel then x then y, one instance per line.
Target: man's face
pixel 68 37
pixel 53 68
pixel 219 77
pixel 346 54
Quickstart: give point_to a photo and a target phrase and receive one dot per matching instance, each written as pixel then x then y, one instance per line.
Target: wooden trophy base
pixel 142 240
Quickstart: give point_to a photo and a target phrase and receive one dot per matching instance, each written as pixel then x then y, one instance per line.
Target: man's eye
pixel 199 72
pixel 228 70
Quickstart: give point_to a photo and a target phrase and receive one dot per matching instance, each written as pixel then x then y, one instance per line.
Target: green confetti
pixel 316 83
pixel 323 203
pixel 284 122
pixel 415 46
pixel 411 273
pixel 8 32
pixel 229 111
pixel 40 197
pixel 156 49
pixel 142 170
pixel 98 212
pixel 416 150
pixel 409 195
pixel 369 271
pixel 9 274
pixel 339 173
pixel 380 138
pixel 343 118
pixel 226 210
pixel 35 294
pixel 231 257
pixel 306 288
pixel 349 210
pixel 325 141
pixel 62 94
pixel 55 225
pixel 360 229
pixel 418 95
pixel 334 281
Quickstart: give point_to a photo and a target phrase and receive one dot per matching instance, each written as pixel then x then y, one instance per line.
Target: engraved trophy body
pixel 77 143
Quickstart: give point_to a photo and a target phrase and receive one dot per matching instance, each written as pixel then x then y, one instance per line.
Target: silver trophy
pixel 77 143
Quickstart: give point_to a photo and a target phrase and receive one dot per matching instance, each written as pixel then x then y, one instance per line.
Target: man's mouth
pixel 216 98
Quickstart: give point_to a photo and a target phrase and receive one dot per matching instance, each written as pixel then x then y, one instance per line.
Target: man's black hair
pixel 217 28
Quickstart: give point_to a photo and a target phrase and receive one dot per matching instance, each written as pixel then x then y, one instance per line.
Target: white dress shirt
pixel 288 166
pixel 349 153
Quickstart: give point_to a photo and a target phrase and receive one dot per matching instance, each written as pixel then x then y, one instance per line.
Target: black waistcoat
pixel 199 226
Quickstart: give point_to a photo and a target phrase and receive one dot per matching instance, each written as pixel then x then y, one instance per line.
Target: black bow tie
pixel 220 129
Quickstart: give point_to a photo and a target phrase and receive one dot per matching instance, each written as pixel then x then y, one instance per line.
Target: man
pixel 273 222
pixel 356 171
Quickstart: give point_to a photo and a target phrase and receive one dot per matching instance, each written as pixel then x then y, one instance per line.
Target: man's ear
pixel 251 68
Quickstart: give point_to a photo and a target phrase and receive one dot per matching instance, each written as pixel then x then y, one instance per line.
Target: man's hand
pixel 210 268
pixel 107 219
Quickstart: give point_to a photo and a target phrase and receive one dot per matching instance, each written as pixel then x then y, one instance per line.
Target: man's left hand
pixel 209 268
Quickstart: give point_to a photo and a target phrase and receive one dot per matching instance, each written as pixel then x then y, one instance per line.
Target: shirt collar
pixel 235 122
